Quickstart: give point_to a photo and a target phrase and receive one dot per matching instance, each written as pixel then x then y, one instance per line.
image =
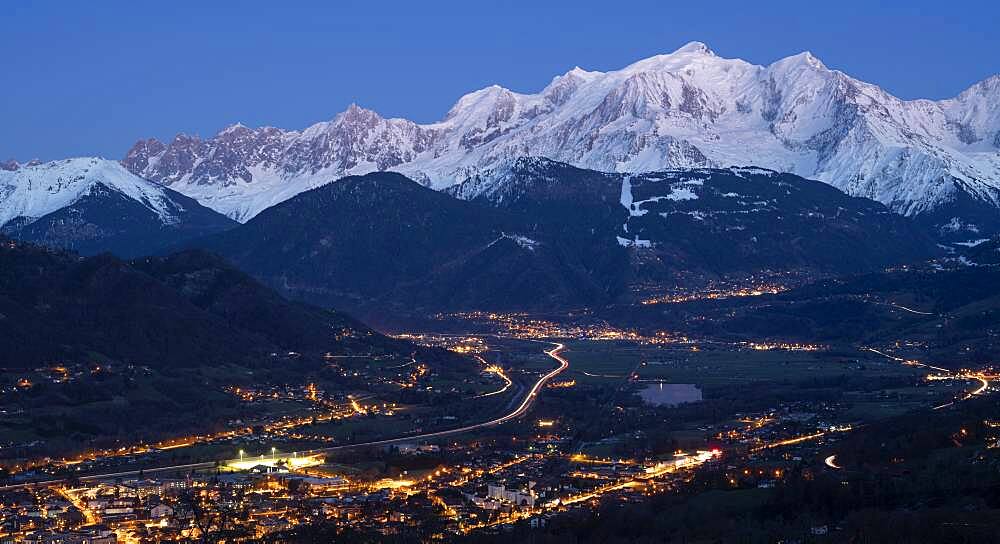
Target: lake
pixel 670 394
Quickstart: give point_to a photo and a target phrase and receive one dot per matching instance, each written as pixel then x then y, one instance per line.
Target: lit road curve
pixel 525 405
pixel 982 377
pixel 831 462
pixel 498 370
pixel 521 409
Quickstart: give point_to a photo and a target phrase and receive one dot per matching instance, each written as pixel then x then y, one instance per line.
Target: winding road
pixel 521 409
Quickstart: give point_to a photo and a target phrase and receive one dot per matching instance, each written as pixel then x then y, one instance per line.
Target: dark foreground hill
pixel 186 310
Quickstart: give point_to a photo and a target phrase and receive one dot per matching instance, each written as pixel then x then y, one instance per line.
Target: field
pixel 863 386
pixel 603 363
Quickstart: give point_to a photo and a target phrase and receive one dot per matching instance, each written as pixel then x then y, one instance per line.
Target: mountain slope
pixel 719 220
pixel 947 315
pixel 752 218
pixel 689 108
pixel 183 310
pixel 382 237
pixel 94 205
pixel 537 234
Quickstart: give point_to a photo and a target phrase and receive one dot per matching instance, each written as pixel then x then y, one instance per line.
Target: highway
pixel 521 409
pixel 911 362
pixel 981 377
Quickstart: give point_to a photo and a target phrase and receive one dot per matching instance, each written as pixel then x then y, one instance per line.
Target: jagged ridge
pixel 689 108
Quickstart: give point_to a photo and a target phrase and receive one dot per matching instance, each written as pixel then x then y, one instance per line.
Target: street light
pixel 273 451
pixel 241 455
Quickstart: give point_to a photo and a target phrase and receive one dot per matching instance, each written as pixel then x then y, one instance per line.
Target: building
pixel 87 536
pixel 160 511
pixel 519 498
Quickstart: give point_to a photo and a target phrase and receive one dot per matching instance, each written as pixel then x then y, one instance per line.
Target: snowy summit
pixel 688 108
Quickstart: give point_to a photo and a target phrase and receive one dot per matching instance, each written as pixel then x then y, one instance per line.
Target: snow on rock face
pixel 636 242
pixel 522 241
pixel 681 193
pixel 33 191
pixel 687 109
pixel 504 181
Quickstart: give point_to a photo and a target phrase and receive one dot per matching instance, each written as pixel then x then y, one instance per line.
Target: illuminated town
pixel 718 293
pixel 524 326
pixel 282 474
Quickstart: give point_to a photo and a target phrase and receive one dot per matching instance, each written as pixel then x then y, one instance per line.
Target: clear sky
pixel 90 78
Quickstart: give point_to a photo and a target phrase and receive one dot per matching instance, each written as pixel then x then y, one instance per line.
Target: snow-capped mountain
pixel 242 171
pixel 93 205
pixel 31 192
pixel 689 108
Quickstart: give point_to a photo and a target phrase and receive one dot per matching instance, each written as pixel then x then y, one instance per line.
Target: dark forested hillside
pixel 541 234
pixel 185 310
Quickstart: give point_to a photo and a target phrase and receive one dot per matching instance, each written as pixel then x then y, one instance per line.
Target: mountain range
pixel 604 185
pixel 938 161
pixel 528 233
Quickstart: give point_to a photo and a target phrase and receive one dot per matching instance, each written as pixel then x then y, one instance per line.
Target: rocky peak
pixel 234 132
pixel 356 115
pixel 137 158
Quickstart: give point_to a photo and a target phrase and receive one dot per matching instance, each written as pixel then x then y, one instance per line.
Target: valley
pixel 675 296
pixel 556 415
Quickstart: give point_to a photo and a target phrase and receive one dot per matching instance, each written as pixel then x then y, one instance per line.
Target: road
pixel 911 310
pixel 831 462
pixel 521 409
pixel 498 370
pixel 911 362
pixel 982 377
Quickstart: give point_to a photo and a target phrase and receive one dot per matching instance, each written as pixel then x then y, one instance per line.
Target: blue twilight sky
pixel 89 78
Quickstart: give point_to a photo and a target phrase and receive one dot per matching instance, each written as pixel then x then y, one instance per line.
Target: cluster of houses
pixel 45 517
pixel 97 534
